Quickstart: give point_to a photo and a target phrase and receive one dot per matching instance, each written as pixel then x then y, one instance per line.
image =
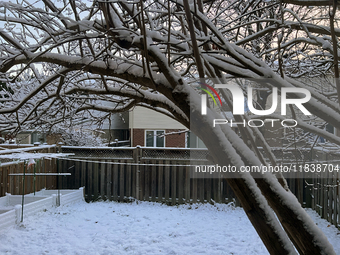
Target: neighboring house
pixel 28 137
pixel 117 129
pixel 152 129
pixel 144 127
pixel 141 126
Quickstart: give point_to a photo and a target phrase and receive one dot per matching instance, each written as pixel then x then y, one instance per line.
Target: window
pixel 193 141
pixel 154 138
pixel 329 128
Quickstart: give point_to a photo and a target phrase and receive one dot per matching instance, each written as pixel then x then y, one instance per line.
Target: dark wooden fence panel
pixel 164 181
pixel 163 175
pixel 159 175
pixel 325 191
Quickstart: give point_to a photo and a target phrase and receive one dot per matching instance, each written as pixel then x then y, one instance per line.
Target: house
pixel 24 137
pixel 152 129
pixel 148 128
pixel 141 126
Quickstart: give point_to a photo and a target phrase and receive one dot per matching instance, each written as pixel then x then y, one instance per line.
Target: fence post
pixel 136 158
pixel 60 144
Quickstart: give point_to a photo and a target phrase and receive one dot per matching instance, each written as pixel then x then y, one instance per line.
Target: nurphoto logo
pixel 238 104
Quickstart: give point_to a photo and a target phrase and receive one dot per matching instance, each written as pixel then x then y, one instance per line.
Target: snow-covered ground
pixel 141 228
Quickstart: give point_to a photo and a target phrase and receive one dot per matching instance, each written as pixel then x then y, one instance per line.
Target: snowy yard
pixel 143 228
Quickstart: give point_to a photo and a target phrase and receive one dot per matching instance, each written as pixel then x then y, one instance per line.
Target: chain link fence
pixel 131 152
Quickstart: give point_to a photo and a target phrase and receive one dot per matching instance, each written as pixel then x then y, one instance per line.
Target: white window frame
pixel 154 137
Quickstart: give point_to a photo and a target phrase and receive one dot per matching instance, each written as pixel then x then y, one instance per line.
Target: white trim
pixel 154 137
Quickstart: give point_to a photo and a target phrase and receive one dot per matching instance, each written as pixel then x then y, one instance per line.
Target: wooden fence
pixel 325 191
pixel 163 175
pixel 318 189
pixel 159 175
pixel 14 184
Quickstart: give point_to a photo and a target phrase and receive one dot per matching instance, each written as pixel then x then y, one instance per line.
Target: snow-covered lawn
pixel 141 228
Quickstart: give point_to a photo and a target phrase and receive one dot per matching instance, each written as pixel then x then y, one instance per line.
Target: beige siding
pixel 144 118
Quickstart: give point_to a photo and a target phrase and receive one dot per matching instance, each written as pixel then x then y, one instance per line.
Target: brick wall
pixel 173 140
pixel 138 137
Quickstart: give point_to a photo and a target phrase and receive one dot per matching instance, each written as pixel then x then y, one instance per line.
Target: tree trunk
pixel 253 203
pixel 298 231
pixel 302 232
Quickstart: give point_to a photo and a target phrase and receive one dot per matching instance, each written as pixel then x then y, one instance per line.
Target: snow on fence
pixel 163 175
pixel 160 174
pixel 11 205
pixel 13 184
pixel 149 174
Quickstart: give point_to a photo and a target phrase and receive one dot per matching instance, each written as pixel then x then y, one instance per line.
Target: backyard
pixel 148 225
pixel 213 102
pixel 141 228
